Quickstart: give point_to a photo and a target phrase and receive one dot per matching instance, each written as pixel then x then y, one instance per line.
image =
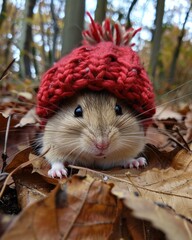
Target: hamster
pixel 95 130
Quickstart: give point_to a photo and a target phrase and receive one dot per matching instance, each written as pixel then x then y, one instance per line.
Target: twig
pixel 130 183
pixel 175 140
pixel 182 138
pixel 7 68
pixel 4 154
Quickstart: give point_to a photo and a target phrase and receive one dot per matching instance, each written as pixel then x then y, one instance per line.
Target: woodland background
pixel 114 204
pixel 37 33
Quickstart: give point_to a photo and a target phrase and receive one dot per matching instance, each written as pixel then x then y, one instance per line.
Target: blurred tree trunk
pixel 9 42
pixel 3 12
pixel 156 40
pixel 73 25
pixel 178 48
pixel 35 63
pixel 100 12
pixel 27 40
pixel 46 63
pixel 129 24
pixel 56 31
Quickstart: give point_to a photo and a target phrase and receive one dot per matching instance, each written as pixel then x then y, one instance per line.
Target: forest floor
pixel 109 204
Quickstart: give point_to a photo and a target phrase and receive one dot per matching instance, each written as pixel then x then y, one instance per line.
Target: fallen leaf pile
pixel 150 203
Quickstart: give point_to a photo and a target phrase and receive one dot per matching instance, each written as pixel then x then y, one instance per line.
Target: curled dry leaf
pixel 20 158
pixel 29 118
pixel 25 95
pixel 30 187
pixel 14 166
pixel 163 113
pixel 84 209
pixel 174 227
pixel 183 160
pixel 15 137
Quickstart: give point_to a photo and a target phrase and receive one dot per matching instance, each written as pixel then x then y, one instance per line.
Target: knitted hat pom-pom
pixel 118 35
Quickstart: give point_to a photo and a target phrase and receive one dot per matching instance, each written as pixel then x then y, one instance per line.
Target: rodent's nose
pixel 102 146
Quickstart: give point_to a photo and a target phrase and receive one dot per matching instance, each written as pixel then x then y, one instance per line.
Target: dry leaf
pixel 174 227
pixel 163 113
pixel 26 95
pixel 163 184
pixel 30 187
pixel 15 136
pixel 84 209
pixel 29 118
pixel 5 221
pixel 20 157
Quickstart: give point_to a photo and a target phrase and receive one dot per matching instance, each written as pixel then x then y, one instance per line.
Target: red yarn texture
pixel 103 66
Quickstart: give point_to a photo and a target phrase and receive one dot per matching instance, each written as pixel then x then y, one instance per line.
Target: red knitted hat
pixel 104 62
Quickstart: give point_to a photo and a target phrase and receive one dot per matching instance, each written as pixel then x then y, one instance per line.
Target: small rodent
pixel 93 129
pixel 108 103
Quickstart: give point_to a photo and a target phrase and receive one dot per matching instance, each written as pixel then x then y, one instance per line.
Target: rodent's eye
pixel 118 110
pixel 78 111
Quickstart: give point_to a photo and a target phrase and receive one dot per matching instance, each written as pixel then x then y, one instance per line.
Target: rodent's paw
pixel 136 162
pixel 57 170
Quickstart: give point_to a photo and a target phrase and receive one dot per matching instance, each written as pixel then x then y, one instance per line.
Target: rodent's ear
pixel 118 110
pixel 78 111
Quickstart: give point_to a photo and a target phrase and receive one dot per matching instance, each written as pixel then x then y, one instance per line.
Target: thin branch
pixel 4 154
pixel 182 138
pixel 186 147
pixel 5 71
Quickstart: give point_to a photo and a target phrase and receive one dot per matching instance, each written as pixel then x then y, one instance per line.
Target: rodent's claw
pixel 136 162
pixel 142 161
pixel 57 170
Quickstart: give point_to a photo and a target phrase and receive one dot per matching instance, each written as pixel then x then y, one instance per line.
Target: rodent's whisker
pixel 76 156
pixel 176 89
pixel 56 149
pixel 72 151
pixel 164 104
pixel 31 105
pixel 134 135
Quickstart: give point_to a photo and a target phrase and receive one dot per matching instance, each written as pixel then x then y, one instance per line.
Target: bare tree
pixel 46 63
pixel 73 25
pixel 129 24
pixel 55 30
pixel 27 40
pixel 100 12
pixel 3 12
pixel 10 41
pixel 157 37
pixel 178 48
